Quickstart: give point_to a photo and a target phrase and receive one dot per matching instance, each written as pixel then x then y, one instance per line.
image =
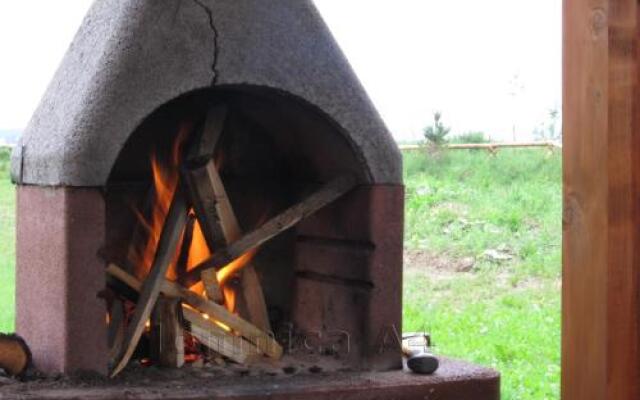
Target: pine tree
pixel 437 132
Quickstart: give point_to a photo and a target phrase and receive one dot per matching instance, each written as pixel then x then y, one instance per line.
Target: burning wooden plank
pixel 212 286
pixel 187 240
pixel 115 332
pixel 167 244
pixel 205 143
pixel 212 200
pixel 264 342
pixel 216 339
pixel 272 228
pixel 200 162
pixel 167 340
pixel 217 218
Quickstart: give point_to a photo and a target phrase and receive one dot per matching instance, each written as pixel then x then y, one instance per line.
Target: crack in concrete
pixel 214 65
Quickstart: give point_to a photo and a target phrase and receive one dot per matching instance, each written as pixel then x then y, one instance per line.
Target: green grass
pixel 459 204
pixel 501 314
pixel 7 245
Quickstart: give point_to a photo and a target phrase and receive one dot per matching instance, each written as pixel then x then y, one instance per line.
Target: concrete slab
pixel 455 380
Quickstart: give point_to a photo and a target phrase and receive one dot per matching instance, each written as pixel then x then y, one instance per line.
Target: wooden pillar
pixel 601 250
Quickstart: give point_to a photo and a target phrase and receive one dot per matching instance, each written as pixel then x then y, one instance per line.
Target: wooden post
pixel 601 222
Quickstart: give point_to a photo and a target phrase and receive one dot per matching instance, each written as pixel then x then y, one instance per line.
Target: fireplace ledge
pixel 454 380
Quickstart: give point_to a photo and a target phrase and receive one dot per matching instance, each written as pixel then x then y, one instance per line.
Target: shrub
pixel 436 133
pixel 471 137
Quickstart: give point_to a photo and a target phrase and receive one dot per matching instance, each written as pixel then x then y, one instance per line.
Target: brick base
pixel 349 276
pixel 58 277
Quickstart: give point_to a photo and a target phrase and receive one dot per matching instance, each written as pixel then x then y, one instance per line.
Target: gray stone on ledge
pixel 131 56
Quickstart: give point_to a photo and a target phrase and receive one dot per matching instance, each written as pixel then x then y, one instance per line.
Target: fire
pixel 165 182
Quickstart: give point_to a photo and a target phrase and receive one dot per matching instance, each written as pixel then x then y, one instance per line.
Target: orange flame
pixel 165 182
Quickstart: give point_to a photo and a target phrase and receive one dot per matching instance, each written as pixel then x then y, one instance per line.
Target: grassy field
pixel 482 262
pixel 7 244
pixel 482 271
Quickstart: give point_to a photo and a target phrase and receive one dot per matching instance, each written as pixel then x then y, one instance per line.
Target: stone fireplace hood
pixel 132 56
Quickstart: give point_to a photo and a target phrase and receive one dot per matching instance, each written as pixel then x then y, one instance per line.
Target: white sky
pixel 414 57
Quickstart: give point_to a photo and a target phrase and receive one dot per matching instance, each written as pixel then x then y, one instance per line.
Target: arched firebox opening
pixel 322 278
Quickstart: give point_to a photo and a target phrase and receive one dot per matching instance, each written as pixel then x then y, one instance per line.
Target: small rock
pixel 315 369
pixel 289 370
pixel 6 381
pixel 497 256
pixel 466 264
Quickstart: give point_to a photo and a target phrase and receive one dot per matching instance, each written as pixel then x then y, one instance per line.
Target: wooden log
pixel 202 194
pixel 212 286
pixel 264 342
pixel 251 288
pixel 220 226
pixel 206 204
pixel 115 332
pixel 261 339
pixel 252 297
pixel 272 228
pixel 218 340
pixel 204 143
pixel 128 279
pixel 217 218
pixel 167 340
pixel 15 355
pixel 183 255
pixel 167 244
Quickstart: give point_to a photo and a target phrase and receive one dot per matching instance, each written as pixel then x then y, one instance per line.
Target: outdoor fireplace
pixel 244 117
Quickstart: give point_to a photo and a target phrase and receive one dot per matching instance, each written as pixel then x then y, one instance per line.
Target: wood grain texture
pixel 601 167
pixel 166 339
pixel 278 224
pixel 220 341
pixel 263 341
pixel 250 287
pixel 217 219
pixel 207 205
pixel 204 144
pixel 212 286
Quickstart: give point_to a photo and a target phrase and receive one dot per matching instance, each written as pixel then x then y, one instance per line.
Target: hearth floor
pixel 454 380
